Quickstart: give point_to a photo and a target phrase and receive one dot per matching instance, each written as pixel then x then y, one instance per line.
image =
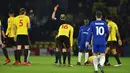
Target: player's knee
pixel 3 45
pixel 63 50
pixel 19 47
pixel 114 51
pixel 26 46
pixel 56 49
pixel 107 50
pixel 95 54
pixel 102 54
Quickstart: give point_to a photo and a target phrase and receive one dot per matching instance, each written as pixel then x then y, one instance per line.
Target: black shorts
pixel 22 40
pixel 112 44
pixel 3 40
pixel 62 42
pixel 9 41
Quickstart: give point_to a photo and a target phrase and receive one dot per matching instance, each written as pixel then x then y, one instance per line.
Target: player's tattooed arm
pixel 110 28
pixel 119 38
pixel 118 34
pixel 3 34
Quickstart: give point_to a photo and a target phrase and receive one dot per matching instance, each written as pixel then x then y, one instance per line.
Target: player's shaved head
pixel 62 17
pixel 22 10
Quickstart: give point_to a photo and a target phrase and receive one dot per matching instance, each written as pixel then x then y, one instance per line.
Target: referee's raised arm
pixel 54 12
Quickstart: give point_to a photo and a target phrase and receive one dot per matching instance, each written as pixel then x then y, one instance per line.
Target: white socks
pixel 102 60
pixel 98 60
pixel 79 56
pixel 29 52
pixel 86 57
pixel 95 63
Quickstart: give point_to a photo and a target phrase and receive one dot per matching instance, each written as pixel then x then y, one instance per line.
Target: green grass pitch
pixel 43 64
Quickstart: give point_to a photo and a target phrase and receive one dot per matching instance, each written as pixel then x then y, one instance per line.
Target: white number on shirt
pixel 99 30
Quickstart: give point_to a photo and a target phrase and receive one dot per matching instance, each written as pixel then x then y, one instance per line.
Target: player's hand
pixel 56 7
pixel 5 36
pixel 0 42
pixel 87 43
pixel 15 38
pixel 120 42
pixel 78 46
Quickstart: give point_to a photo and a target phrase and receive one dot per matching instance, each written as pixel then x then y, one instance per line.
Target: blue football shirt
pixel 99 32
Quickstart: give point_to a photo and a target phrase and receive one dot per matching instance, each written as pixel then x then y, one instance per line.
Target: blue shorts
pixel 83 47
pixel 99 48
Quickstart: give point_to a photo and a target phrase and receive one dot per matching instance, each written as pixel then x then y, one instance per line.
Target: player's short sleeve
pixel 116 27
pixel 15 19
pixel 9 20
pixel 72 29
pixel 28 20
pixel 109 26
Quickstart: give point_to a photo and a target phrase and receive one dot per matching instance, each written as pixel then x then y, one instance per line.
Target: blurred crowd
pixel 44 28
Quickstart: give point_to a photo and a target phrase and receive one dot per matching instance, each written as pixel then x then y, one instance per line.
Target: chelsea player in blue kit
pixel 99 31
pixel 83 32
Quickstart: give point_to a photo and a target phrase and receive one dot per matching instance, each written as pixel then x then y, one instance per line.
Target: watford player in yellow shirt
pixel 22 23
pixel 65 37
pixel 112 41
pixel 9 37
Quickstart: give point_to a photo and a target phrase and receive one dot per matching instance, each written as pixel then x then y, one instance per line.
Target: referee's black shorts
pixel 22 40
